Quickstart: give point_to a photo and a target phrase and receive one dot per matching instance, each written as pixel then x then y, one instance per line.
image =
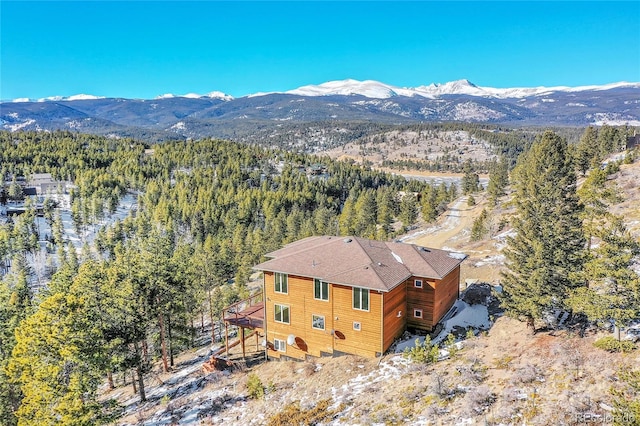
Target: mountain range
pixel 219 115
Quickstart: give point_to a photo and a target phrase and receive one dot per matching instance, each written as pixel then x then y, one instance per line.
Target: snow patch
pixel 17 126
pixel 456 255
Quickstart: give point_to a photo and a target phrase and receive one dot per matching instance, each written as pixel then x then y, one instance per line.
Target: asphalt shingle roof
pixel 360 262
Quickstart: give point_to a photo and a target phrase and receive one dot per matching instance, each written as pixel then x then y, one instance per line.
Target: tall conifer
pixel 545 257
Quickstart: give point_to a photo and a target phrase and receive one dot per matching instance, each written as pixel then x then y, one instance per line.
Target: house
pixel 329 295
pixel 44 183
pixel 633 141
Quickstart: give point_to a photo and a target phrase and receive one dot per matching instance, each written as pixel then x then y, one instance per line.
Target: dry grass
pixel 410 145
pixel 506 375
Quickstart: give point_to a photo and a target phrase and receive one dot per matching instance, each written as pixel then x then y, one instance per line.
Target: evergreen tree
pixel 613 288
pixel 56 361
pixel 470 180
pixel 596 196
pixel 408 210
pixel 546 256
pixel 498 179
pixel 479 228
pixel 587 152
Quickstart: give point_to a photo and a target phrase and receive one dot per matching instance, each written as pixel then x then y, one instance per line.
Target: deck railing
pixel 235 310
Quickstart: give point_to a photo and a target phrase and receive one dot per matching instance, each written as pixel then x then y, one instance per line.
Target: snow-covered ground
pixel 465 316
pixel 40 261
pixel 88 233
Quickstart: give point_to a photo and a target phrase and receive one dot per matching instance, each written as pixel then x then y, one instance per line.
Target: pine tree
pixel 545 257
pixel 613 288
pixel 587 152
pixel 498 179
pixel 479 228
pixel 56 361
pixel 408 210
pixel 470 180
pixel 596 196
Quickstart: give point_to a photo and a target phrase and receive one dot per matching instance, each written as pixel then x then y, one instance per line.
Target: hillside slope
pixel 503 375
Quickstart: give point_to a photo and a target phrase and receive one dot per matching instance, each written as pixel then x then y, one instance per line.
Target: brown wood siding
pixel 302 306
pixel 394 301
pixel 446 292
pixel 366 342
pixel 421 298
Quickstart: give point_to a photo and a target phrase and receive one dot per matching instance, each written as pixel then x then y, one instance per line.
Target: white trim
pixel 282 313
pixel 362 289
pixel 314 290
pixel 275 282
pixel 280 345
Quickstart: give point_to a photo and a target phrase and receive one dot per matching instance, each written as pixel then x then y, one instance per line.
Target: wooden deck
pixel 251 317
pixel 247 314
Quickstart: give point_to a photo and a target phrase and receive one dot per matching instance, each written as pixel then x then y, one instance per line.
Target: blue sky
pixel 144 49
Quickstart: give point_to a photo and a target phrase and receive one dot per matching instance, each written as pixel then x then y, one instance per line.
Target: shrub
pixel 293 414
pixel 426 352
pixel 611 344
pixel 451 346
pixel 254 386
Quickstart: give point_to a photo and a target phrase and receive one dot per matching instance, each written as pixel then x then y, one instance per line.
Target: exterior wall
pixel 302 306
pixel 368 340
pixel 394 301
pixel 421 298
pixel 446 292
pixel 379 326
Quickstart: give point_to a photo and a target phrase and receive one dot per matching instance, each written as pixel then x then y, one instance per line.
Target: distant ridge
pixel 217 114
pixel 377 90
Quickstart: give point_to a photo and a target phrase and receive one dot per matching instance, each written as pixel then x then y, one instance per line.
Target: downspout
pixel 264 319
pixel 382 318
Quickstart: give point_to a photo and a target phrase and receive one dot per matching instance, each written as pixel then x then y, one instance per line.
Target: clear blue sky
pixel 144 49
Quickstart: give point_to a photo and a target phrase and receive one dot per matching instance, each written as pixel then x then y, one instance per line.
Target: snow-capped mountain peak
pixel 367 88
pixel 218 95
pixel 211 95
pixel 78 97
pixel 377 90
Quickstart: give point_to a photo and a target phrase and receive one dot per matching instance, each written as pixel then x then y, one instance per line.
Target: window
pixel 281 283
pixel 320 289
pixel 279 345
pixel 356 326
pixel 417 313
pixel 361 299
pixel 417 283
pixel 282 313
pixel 317 322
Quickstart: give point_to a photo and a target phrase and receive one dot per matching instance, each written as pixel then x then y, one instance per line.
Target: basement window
pixel 279 345
pixel 417 313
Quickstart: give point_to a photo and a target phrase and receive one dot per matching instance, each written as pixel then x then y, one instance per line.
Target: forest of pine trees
pixel 208 210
